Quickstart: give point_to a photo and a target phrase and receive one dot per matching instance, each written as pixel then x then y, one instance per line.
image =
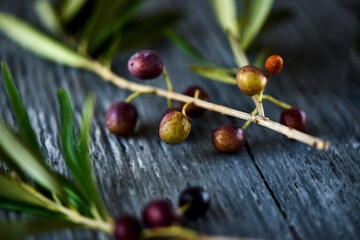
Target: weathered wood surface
pixel 274 188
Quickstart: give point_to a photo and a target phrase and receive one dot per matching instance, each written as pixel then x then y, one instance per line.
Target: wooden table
pixel 273 188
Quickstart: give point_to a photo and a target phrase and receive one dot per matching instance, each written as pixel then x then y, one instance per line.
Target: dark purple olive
pixel 127 228
pixel 193 111
pixel 145 65
pixel 174 128
pixel 294 118
pixel 121 118
pixel 159 213
pixel 198 201
pixel 229 138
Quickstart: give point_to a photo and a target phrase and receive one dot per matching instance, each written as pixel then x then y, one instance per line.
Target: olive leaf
pixel 9 189
pixel 17 152
pixel 77 158
pixel 29 208
pixel 261 57
pixel 19 229
pixel 48 17
pixel 240 57
pixel 225 12
pixel 255 12
pixel 148 29
pixel 214 73
pixel 21 115
pixel 84 155
pixel 183 45
pixel 38 43
pixel 111 32
pixel 69 8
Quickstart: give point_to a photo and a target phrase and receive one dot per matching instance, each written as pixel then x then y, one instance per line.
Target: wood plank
pixel 275 188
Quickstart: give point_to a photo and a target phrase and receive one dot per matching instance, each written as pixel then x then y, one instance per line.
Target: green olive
pixel 251 80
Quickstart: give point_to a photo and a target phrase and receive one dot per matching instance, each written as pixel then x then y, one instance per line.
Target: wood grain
pixel 274 188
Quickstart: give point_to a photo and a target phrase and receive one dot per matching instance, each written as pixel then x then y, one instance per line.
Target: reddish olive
pixel 121 118
pixel 159 213
pixel 294 118
pixel 229 138
pixel 145 65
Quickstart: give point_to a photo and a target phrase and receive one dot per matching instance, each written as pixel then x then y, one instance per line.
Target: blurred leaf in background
pixel 102 28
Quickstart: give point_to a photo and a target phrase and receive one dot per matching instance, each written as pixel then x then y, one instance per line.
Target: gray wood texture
pixel 273 188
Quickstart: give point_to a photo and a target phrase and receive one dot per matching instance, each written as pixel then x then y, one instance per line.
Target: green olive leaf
pixel 214 73
pixel 33 40
pixel 48 17
pixel 69 8
pixel 184 45
pixel 225 12
pixel 240 57
pixel 255 13
pixel 19 155
pixel 27 132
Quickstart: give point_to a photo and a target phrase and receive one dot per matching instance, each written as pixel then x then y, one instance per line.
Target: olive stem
pixel 169 85
pixel 136 94
pixel 72 215
pixel 185 106
pixel 248 121
pixel 182 209
pixel 277 102
pixel 258 105
pixel 291 133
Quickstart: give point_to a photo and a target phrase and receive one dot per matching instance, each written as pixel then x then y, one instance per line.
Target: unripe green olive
pixel 174 128
pixel 251 80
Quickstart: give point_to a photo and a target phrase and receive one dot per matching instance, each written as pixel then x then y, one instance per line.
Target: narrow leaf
pixel 19 154
pixel 261 57
pixel 148 29
pixel 28 208
pixel 48 17
pixel 33 40
pixel 84 155
pixel 113 28
pixel 24 228
pixel 5 159
pixel 11 190
pixel 183 45
pixel 225 12
pixel 77 162
pixel 214 73
pixel 240 57
pixel 70 8
pixel 21 115
pixel 255 12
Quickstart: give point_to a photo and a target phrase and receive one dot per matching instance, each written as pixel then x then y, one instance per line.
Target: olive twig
pixel 291 133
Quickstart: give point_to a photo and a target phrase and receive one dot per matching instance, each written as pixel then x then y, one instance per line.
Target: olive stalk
pixel 71 214
pixel 291 133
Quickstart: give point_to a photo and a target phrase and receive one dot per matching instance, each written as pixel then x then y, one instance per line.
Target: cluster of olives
pixel 193 203
pixel 175 123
